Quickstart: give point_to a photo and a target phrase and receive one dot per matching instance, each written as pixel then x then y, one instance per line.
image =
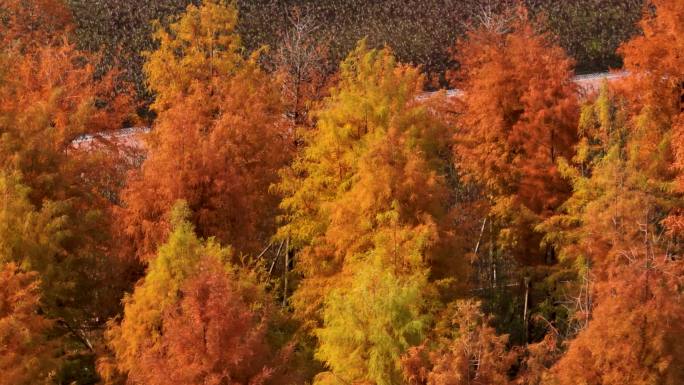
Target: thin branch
pixel 479 240
pixel 82 338
pixel 265 250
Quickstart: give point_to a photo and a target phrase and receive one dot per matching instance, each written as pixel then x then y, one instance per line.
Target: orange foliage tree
pixel 467 351
pixel 614 224
pixel 654 62
pixel 50 95
pixel 215 334
pixel 636 332
pixel 56 195
pixel 655 89
pixel 519 114
pixel 622 172
pixel 218 140
pixel 611 230
pixel 196 317
pixel 26 355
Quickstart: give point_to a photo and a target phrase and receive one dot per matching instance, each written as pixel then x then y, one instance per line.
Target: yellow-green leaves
pixel 369 325
pixel 196 51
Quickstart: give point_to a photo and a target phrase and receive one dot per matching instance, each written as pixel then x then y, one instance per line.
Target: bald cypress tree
pixel 218 141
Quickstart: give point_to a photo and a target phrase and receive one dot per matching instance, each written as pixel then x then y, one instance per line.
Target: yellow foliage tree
pixel 373 166
pixel 196 53
pixel 369 324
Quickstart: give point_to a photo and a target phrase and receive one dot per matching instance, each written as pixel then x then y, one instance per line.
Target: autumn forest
pixel 286 192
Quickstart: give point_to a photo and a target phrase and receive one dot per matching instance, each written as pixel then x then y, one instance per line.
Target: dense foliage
pixel 308 214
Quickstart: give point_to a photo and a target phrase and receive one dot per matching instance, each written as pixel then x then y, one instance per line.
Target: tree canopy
pixel 212 210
